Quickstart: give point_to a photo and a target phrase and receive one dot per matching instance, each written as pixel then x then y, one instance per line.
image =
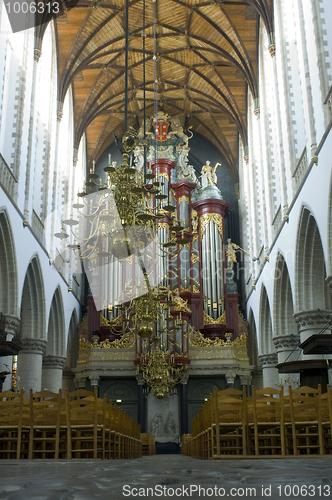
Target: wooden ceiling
pixel 200 58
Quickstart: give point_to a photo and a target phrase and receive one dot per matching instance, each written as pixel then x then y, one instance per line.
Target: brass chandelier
pixel 117 222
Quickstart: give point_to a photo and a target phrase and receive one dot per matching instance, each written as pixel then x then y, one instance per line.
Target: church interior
pixel 166 224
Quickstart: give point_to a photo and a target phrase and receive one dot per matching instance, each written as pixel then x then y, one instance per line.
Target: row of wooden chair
pixel 148 444
pixel 69 425
pixel 268 423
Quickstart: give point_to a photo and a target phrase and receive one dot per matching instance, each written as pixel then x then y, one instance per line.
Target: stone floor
pixel 163 476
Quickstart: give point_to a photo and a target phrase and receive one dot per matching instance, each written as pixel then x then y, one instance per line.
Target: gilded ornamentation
pixel 180 304
pixel 197 339
pixel 194 258
pixel 164 174
pixel 183 198
pixel 83 328
pixel 125 341
pixel 194 220
pixel 242 325
pixel 84 345
pixel 205 221
pixel 104 321
pixel 163 225
pixel 219 321
pixel 196 289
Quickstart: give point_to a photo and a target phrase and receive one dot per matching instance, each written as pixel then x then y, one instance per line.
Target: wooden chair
pixel 306 423
pixel 110 431
pixel 14 425
pixel 229 432
pixel 266 432
pixel 326 415
pixel 148 444
pixel 48 426
pixel 86 423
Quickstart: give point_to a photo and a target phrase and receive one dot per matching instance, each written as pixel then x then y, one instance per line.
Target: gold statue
pixel 180 304
pixel 208 174
pixel 230 254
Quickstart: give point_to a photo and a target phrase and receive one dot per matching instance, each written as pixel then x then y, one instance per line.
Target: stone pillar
pixel 8 330
pixel 184 407
pixel 52 372
pixel 68 380
pixel 310 323
pixel 141 406
pixel 230 378
pixel 287 347
pixel 270 372
pixel 29 364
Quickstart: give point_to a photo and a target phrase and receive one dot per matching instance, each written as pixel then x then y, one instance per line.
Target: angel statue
pixel 230 254
pixel 208 174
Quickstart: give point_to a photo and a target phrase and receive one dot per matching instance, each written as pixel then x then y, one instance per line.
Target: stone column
pixel 68 380
pixel 287 347
pixel 230 378
pixel 9 328
pixel 29 364
pixel 184 407
pixel 270 372
pixel 52 372
pixel 310 323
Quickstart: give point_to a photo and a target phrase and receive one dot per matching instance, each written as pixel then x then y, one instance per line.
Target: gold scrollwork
pixel 163 225
pixel 127 340
pixel 216 218
pixel 84 345
pixel 219 321
pixel 183 198
pixel 164 174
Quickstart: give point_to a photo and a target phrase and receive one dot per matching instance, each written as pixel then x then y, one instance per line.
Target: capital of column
pixel 315 318
pixel 34 346
pixel 230 377
pixel 54 362
pixel 9 325
pixel 282 342
pixel 268 360
pixel 94 379
pixel 36 54
pixel 245 379
pixel 329 282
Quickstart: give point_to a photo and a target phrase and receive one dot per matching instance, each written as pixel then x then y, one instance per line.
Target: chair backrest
pixel 305 404
pixel 82 407
pixel 267 404
pixel 14 409
pixel 45 408
pixel 229 405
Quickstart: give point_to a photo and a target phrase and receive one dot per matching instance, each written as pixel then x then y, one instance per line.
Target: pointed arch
pixel 252 340
pixel 56 326
pixel 72 342
pixel 8 267
pixel 310 270
pixel 283 307
pixel 33 302
pixel 265 325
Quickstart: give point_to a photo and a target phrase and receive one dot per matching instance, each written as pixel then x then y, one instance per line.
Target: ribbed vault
pixel 206 57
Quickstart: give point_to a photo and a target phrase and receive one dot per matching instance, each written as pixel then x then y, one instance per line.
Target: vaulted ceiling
pixel 200 58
